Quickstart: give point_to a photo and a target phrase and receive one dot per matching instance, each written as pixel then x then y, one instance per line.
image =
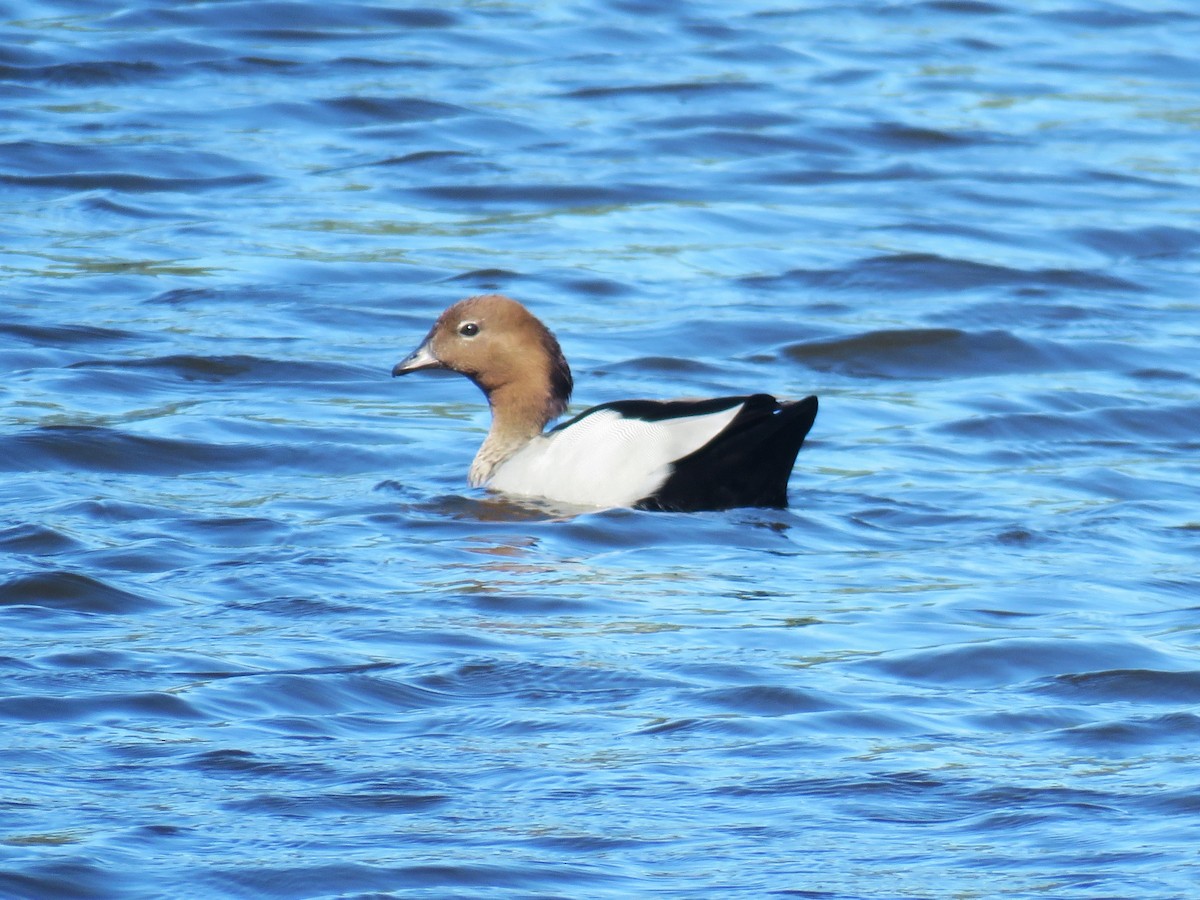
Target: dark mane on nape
pixel 561 382
pixel 747 464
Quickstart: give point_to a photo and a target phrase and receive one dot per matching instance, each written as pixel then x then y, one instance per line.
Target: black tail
pixel 747 464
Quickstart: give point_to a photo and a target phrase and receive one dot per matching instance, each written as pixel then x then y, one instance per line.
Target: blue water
pixel 258 638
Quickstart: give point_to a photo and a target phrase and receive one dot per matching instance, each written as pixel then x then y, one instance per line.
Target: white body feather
pixel 606 459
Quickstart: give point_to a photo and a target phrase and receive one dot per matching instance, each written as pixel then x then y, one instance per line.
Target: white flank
pixel 605 459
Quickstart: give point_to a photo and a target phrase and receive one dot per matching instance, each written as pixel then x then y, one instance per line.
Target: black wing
pixel 746 464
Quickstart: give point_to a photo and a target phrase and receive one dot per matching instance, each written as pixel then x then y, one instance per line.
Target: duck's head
pixel 502 347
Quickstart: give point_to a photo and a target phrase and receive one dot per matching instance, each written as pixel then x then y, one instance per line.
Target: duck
pixel 662 455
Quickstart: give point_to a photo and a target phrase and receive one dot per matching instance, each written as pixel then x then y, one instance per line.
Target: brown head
pixel 503 348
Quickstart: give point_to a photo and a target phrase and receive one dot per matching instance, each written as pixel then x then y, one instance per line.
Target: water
pixel 260 640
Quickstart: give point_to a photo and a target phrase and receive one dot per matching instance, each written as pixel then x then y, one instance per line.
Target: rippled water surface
pixel 260 640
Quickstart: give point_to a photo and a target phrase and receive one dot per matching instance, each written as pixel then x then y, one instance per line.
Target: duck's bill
pixel 421 358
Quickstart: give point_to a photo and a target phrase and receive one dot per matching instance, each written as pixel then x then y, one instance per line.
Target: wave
pixel 91 448
pixel 73 592
pixel 929 272
pixel 934 353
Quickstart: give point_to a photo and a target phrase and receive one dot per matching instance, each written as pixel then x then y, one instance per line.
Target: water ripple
pixel 926 272
pixel 74 592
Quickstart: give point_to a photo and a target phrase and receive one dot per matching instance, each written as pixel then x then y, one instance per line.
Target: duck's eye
pixel 468 329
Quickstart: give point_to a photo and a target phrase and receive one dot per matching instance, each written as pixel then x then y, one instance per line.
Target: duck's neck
pixel 518 416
